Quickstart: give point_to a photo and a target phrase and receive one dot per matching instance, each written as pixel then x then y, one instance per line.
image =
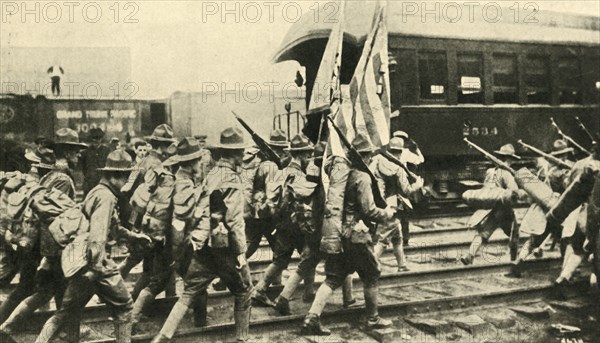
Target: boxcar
pixel 495 77
pixel 23 118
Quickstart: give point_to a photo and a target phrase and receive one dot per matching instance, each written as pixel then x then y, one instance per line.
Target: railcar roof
pixel 550 28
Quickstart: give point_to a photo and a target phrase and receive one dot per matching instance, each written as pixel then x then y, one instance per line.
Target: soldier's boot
pixel 291 285
pixel 473 250
pixel 170 326
pixel 374 321
pixel 312 326
pixel 400 258
pixel 22 311
pixel 242 324
pixel 260 297
pixel 200 310
pixel 516 268
pixel 572 261
pixel 309 289
pixel 282 305
pixel 144 299
pixel 122 331
pixel 348 299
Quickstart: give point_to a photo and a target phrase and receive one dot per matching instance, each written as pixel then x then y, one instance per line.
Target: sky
pixel 182 45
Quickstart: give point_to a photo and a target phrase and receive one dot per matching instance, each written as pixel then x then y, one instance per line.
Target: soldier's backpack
pixel 157 219
pixel 46 207
pixel 141 197
pixel 296 204
pixel 68 225
pixel 20 218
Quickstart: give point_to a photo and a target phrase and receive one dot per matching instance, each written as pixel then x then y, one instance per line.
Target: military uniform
pixel 360 216
pixel 148 168
pixel 294 214
pixel 178 203
pixel 266 185
pixel 101 275
pixel 220 243
pixel 92 159
pixel 501 216
pixel 38 285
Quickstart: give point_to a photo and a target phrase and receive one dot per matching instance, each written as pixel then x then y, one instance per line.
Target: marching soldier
pixel 100 274
pixel 360 212
pixel 311 255
pixel 219 240
pixel 393 183
pixel 160 141
pixel 557 177
pixel 502 215
pixel 293 217
pixel 408 152
pixel 29 258
pixel 572 211
pixel 184 197
pixel 264 196
pixel 49 279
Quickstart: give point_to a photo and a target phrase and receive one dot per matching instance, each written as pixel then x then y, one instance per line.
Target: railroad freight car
pixel 23 118
pixel 493 75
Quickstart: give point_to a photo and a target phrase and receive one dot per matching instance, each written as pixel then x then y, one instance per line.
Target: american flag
pixel 369 88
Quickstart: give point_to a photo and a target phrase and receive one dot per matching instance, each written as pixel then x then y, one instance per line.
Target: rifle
pixel 569 139
pixel 358 162
pixel 264 148
pixel 550 158
pixel 587 132
pixel 499 163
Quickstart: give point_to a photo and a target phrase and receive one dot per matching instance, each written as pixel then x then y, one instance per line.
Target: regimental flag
pixel 326 94
pixel 369 88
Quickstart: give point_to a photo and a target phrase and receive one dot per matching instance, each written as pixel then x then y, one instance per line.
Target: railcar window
pixel 537 79
pixel 470 76
pixel 505 79
pixel 569 80
pixel 432 75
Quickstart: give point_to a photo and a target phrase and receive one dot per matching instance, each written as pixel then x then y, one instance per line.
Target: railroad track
pixel 434 286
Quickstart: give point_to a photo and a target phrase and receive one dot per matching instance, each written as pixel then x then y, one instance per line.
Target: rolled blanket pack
pixel 489 197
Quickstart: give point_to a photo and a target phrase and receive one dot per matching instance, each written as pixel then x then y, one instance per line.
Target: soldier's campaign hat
pixel 278 138
pixel 250 153
pixel 400 134
pixel 162 133
pixel 68 137
pixel 362 144
pixel 46 159
pixel 560 147
pixel 507 150
pixel 300 143
pixel 118 161
pixel 35 154
pixel 96 133
pixel 189 149
pixel 396 144
pixel 231 139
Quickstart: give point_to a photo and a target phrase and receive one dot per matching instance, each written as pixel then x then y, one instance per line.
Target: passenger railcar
pixel 494 81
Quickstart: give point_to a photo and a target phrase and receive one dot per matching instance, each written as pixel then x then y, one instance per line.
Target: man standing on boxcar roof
pixel 92 159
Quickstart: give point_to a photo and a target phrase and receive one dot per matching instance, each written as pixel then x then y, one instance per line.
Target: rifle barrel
pixel 569 139
pixel 546 156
